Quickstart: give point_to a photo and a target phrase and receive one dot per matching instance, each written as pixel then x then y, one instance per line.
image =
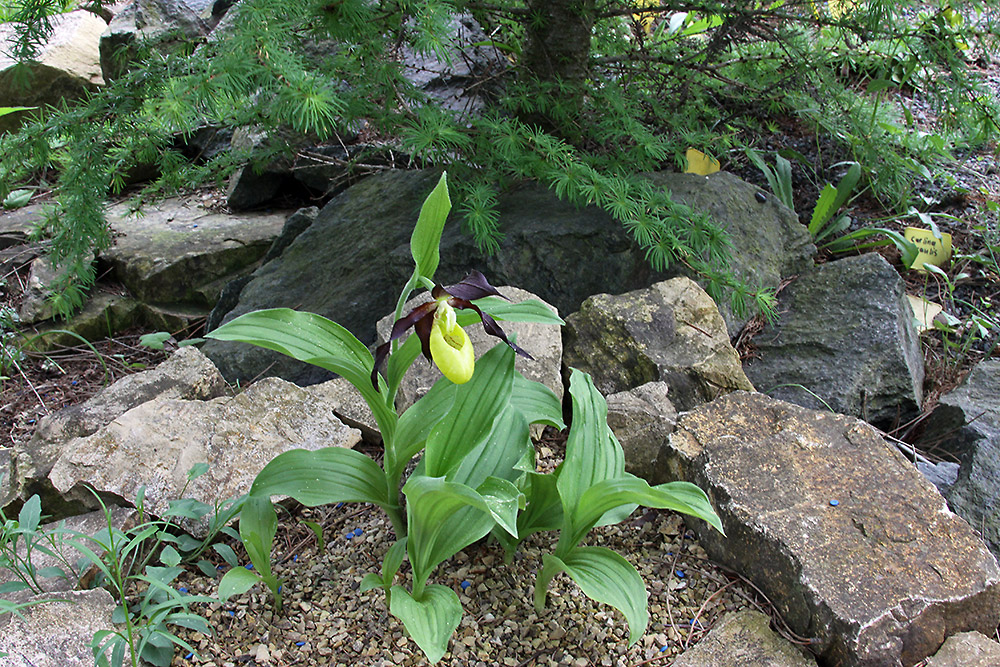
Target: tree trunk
pixel 558 40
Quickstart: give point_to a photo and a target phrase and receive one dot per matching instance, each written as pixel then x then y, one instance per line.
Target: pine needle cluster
pixel 660 77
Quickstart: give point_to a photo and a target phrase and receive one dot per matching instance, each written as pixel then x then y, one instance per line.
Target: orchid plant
pixel 476 473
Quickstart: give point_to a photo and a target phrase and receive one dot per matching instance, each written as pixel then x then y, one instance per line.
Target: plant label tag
pixel 699 163
pixel 930 250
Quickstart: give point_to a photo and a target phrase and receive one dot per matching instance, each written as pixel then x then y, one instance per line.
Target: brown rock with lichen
pixel 855 548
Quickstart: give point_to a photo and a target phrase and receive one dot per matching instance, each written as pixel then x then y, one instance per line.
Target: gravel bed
pixel 327 622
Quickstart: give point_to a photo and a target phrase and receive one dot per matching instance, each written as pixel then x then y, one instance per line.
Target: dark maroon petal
pixel 439 292
pixel 423 329
pixel 403 324
pixel 474 286
pixel 490 325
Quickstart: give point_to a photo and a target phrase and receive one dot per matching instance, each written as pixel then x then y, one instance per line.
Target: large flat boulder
pixel 967 649
pixel 769 243
pixel 642 419
pixel 966 424
pixel 58 631
pixel 156 444
pixel 849 541
pixel 66 68
pixel 350 264
pixel 744 639
pixel 179 252
pixel 844 340
pixel 670 332
pixel 167 26
pixel 186 375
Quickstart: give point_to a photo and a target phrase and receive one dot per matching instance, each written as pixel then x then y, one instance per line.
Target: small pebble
pixel 358 532
pixel 249 566
pixel 834 503
pixel 466 584
pixel 680 574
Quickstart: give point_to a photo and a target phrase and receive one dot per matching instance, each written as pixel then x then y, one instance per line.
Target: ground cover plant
pixel 476 473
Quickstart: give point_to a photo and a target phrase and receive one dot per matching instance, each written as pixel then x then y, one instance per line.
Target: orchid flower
pixel 442 340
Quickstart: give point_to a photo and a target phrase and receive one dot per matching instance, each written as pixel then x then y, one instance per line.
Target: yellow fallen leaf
pixel 699 163
pixel 924 312
pixel 839 8
pixel 645 19
pixel 930 249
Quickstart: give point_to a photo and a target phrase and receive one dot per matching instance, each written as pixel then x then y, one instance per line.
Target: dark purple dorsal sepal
pixel 473 286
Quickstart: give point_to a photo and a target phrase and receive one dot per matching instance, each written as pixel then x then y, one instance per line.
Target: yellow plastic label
pixel 699 163
pixel 930 250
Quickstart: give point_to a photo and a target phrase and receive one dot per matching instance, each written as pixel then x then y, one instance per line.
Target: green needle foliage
pixel 596 94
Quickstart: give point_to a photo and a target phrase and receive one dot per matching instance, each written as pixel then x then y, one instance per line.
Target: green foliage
pixel 704 76
pixel 476 474
pixel 137 565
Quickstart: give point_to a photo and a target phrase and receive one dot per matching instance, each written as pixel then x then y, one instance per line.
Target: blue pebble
pixel 349 536
pixel 189 656
pixel 680 574
pixel 834 503
pixel 339 505
pixel 466 584
pixel 74 383
pixel 300 643
pixel 194 225
pixel 663 649
pixel 249 566
pixel 182 590
pixel 295 558
pixel 232 613
pixel 358 532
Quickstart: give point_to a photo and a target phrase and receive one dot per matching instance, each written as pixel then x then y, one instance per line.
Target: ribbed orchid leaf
pixel 425 242
pixel 430 620
pixel 323 476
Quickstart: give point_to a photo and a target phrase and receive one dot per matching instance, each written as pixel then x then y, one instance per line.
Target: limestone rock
pixel 155 445
pixel 541 341
pixel 167 25
pixel 92 523
pixel 769 242
pixel 186 375
pixel 449 79
pixel 671 332
pixel 744 639
pixel 349 406
pixel 849 541
pixel 350 264
pixel 967 649
pixel 105 313
pixel 56 633
pixel 178 252
pixel 35 306
pixel 67 67
pixel 845 334
pixel 642 419
pixel 966 423
pixel 16 225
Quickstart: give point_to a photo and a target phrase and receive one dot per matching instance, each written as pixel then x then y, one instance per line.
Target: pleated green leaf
pixel 313 339
pixel 444 517
pixel 630 490
pixel 425 242
pixel 591 454
pixel 323 476
pixel 536 402
pixel 237 581
pixel 608 578
pixel 477 405
pixel 431 620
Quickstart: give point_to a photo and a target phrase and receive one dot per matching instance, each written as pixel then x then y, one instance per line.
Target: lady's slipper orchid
pixel 442 341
